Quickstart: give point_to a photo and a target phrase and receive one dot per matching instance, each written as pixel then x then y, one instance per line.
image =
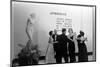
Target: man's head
pixel 63 31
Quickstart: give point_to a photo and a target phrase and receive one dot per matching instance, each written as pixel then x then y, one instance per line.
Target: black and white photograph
pixel 44 33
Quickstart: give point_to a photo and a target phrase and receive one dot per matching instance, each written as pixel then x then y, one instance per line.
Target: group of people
pixel 60 46
pixel 63 46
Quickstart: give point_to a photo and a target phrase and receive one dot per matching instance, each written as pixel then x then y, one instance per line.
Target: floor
pixel 44 62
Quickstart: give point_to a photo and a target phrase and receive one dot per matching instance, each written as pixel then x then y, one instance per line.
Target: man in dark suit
pixel 62 47
pixel 55 44
pixel 55 38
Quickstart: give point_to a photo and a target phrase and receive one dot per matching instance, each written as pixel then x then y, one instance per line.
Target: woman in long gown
pixel 71 46
pixel 50 51
pixel 83 57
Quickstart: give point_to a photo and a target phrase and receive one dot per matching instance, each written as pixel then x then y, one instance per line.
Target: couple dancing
pixel 58 47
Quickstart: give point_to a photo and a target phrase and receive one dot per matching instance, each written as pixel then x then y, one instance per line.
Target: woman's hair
pixel 50 33
pixel 82 33
pixel 70 29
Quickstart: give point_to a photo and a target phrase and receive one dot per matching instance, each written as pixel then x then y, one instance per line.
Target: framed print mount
pixel 52 33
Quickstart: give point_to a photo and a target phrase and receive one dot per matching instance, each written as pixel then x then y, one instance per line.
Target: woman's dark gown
pixel 82 57
pixel 72 50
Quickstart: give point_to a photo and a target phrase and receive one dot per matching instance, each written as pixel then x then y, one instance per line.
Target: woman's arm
pixel 51 41
pixel 84 39
pixel 74 36
pixel 78 38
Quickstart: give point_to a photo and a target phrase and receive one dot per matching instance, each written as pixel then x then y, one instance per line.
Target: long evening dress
pixel 50 52
pixel 71 49
pixel 82 57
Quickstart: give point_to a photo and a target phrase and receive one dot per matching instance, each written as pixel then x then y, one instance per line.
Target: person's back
pixel 63 41
pixel 62 49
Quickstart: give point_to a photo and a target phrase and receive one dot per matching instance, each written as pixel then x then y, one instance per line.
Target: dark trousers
pixel 60 55
pixel 55 49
